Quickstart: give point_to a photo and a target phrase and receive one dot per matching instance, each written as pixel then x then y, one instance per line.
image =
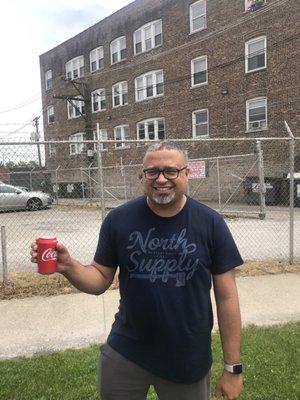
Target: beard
pixel 161 199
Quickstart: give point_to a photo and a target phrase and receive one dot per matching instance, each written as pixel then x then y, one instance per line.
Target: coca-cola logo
pixel 49 254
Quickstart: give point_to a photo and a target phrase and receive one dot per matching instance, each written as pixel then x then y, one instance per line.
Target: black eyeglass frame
pixel 163 171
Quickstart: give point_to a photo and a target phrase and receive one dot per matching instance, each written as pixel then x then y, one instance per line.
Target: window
pixel 52 150
pixel 256 54
pixel 76 108
pixel 77 148
pixel 199 71
pixel 118 50
pixel 98 100
pixel 120 94
pixel 96 59
pixel 200 123
pixel 75 68
pixel 50 114
pixel 149 85
pixel 121 132
pixel 256 112
pixel 198 16
pixel 101 136
pixel 147 37
pixel 48 79
pixel 151 129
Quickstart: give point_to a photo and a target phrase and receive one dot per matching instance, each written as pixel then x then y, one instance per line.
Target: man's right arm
pixel 92 279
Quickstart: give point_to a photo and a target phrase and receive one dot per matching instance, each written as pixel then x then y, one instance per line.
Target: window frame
pixel 144 85
pixel 123 136
pixel 192 17
pixel 80 104
pixel 50 114
pixel 79 147
pixel 120 95
pixel 52 150
pixel 74 67
pixel 247 44
pixel 119 50
pixel 146 123
pixel 95 57
pixel 99 92
pixel 195 136
pixel 142 30
pixel 48 80
pixel 103 146
pixel 193 84
pixel 248 102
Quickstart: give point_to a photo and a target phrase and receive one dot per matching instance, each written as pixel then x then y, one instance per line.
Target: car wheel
pixel 34 204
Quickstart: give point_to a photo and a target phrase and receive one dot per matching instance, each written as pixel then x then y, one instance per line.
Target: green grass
pixel 271 358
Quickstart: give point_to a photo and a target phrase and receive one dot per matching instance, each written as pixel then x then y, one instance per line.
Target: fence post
pixel 4 255
pixel 261 175
pixel 219 186
pixel 100 174
pixel 292 192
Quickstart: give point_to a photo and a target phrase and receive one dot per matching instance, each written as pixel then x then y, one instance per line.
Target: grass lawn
pixel 271 358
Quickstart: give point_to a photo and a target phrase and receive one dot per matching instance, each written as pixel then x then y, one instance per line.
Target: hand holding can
pixel 47 255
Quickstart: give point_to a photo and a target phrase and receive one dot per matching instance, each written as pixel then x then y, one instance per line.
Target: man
pixel 167 246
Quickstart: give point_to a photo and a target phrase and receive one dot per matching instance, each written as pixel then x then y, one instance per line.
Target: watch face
pixel 237 369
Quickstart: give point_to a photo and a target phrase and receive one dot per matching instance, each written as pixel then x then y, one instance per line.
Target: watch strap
pixel 234 368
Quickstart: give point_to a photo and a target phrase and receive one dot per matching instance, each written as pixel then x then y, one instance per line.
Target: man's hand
pixel 64 260
pixel 229 386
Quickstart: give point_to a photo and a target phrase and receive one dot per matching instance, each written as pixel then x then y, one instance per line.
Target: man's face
pixel 163 190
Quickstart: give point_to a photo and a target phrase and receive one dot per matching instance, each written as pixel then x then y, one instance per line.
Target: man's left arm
pixel 229 321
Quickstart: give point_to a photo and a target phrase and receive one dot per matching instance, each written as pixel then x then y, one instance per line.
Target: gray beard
pixel 163 199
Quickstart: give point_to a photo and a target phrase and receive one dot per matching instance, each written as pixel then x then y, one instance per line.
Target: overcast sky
pixel 30 28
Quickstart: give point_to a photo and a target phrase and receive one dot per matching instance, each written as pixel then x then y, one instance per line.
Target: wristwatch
pixel 234 368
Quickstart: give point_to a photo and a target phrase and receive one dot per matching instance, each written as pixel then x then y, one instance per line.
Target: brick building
pixel 175 69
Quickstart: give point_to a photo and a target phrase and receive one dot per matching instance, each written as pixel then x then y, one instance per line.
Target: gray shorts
pixel 121 379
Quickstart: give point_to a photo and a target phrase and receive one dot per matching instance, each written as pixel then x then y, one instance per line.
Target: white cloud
pixel 28 29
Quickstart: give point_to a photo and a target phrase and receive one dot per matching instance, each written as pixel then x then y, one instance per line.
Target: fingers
pixel 33 251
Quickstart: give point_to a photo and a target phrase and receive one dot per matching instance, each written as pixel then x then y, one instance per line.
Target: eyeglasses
pixel 168 173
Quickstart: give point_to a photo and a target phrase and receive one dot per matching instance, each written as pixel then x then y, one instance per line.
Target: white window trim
pixel 154 79
pixel 79 104
pixel 99 93
pixel 80 61
pixel 257 39
pixel 50 108
pixel 146 121
pixel 79 147
pixel 48 78
pixel 248 102
pixel 194 124
pixel 193 71
pixel 118 41
pixel 52 150
pixel 123 145
pixel 103 136
pixel 96 51
pixel 143 41
pixel 191 17
pixel 119 85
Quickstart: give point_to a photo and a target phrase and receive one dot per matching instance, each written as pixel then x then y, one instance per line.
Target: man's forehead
pixel 164 155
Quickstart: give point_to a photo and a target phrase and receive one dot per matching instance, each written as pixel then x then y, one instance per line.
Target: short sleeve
pixel 225 255
pixel 106 253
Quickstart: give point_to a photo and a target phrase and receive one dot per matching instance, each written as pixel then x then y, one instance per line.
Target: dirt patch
pixel 28 283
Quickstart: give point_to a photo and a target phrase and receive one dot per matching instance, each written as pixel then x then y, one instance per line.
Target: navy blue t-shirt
pixel 165 317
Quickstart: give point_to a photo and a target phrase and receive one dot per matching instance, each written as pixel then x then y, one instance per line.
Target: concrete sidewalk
pixel 42 324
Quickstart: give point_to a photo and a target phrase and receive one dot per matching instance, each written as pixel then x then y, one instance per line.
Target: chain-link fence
pixel 254 184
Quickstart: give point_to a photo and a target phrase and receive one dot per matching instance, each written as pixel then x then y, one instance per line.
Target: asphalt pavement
pixel 43 324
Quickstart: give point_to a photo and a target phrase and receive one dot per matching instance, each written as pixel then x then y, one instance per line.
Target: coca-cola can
pixel 46 255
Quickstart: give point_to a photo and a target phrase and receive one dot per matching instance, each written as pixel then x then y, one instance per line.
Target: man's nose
pixel 161 178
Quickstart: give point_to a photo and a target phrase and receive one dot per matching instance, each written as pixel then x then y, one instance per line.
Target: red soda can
pixel 47 255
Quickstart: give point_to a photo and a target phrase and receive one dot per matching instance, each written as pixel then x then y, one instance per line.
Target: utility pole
pixel 36 137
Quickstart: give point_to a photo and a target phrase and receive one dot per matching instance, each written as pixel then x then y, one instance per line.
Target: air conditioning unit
pixel 254 125
pixel 90 153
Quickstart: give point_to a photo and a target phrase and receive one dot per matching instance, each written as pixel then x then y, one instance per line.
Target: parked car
pixel 13 198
